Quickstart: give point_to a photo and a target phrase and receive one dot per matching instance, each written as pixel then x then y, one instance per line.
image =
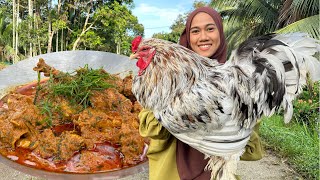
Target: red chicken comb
pixel 135 43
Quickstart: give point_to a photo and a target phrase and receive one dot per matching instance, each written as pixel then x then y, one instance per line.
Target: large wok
pixel 67 61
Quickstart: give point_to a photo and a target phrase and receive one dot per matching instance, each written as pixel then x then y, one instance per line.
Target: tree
pixel 14 20
pixel 299 16
pixel 248 18
pixel 6 50
pixel 42 26
pixel 118 27
pixel 30 10
pixel 86 26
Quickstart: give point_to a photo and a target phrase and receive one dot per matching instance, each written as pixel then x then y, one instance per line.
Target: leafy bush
pixel 306 107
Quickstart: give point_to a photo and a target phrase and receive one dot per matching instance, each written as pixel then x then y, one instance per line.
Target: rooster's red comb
pixel 135 43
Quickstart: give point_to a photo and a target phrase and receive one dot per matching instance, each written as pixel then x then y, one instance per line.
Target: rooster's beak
pixel 133 56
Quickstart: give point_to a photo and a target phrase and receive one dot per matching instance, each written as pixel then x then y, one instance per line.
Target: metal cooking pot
pixel 67 61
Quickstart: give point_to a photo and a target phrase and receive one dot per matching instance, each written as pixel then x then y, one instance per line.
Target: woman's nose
pixel 203 36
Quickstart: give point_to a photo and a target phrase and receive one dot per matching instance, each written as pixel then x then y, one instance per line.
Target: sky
pixel 158 15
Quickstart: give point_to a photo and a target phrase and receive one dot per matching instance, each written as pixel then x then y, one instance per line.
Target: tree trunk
pixel 84 29
pixel 57 41
pixel 14 15
pixel 38 37
pixel 57 36
pixel 61 41
pixel 50 36
pixel 67 44
pixel 50 32
pixel 17 34
pixel 30 2
pixel 118 47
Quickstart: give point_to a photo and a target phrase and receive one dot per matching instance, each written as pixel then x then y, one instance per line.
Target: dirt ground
pixel 270 167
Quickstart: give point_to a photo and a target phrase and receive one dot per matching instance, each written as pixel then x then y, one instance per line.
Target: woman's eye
pixel 211 28
pixel 194 31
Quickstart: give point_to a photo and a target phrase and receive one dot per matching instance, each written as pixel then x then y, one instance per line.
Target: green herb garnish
pixel 78 88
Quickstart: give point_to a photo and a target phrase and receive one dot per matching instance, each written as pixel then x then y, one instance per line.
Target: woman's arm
pixel 150 126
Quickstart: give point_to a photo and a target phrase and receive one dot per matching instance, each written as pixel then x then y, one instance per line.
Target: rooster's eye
pixel 144 49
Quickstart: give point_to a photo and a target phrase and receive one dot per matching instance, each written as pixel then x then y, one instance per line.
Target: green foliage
pixel 110 31
pixel 244 19
pixel 307 108
pixel 58 24
pixel 198 3
pixel 118 27
pixel 301 147
pixel 5 34
pixel 308 25
pixel 293 11
pixel 27 35
pixel 167 36
pixel 92 40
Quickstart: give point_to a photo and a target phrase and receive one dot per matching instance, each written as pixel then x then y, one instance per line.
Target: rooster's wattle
pixel 214 107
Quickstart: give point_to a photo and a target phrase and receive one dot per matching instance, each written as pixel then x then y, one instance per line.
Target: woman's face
pixel 204 35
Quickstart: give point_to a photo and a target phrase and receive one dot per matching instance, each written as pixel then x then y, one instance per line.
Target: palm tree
pixel 249 18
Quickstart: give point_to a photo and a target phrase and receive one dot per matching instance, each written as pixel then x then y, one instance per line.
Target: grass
pixel 296 142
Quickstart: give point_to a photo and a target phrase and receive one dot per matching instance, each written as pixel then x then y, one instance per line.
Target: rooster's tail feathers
pixel 304 48
pixel 299 50
pixel 282 63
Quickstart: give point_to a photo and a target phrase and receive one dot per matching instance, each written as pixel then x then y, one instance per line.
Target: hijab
pixel 190 162
pixel 221 53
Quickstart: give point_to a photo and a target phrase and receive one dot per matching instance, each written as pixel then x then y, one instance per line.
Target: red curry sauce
pixel 107 153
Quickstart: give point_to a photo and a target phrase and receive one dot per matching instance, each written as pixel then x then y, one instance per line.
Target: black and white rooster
pixel 214 107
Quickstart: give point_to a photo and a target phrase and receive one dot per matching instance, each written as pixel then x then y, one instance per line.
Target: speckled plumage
pixel 214 107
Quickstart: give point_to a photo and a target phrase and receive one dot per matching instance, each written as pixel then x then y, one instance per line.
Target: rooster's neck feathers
pixel 177 73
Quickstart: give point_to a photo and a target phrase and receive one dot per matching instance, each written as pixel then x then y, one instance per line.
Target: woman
pixel 170 158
